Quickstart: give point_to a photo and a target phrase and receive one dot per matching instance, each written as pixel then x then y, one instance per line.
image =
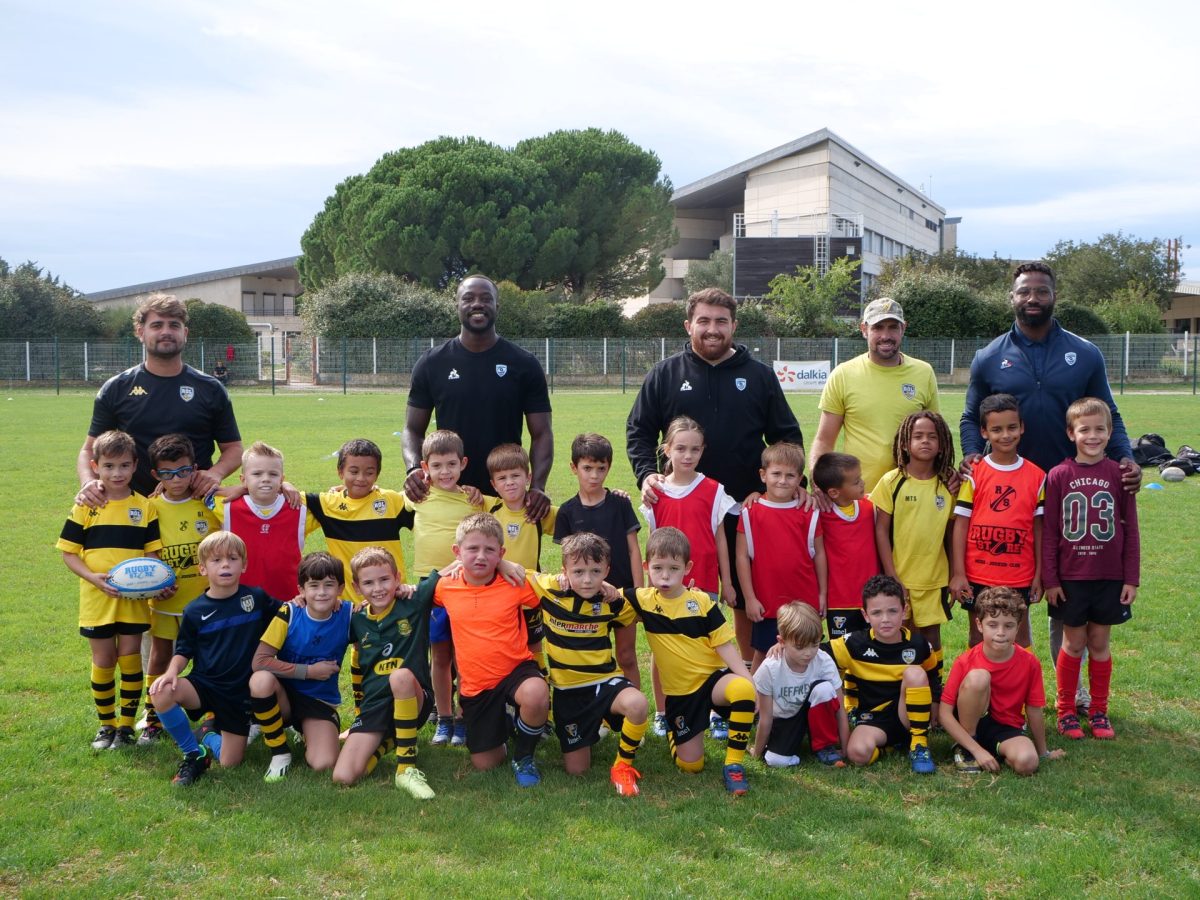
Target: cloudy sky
pixel 143 140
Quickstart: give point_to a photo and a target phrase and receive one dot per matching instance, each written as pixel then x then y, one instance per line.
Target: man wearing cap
pixel 869 396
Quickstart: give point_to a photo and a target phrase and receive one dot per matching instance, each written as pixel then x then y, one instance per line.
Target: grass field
pixel 1111 819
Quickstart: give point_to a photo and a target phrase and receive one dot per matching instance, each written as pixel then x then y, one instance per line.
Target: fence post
pixel 57 374
pixel 1124 361
pixel 343 364
pixel 624 355
pixel 550 362
pixel 605 365
pixel 203 367
pixel 374 356
pixel 1195 347
pixel 1185 356
pixel 951 357
pixel 85 362
pixel 835 354
pixel 28 373
pixel 662 352
pixel 778 348
pixel 272 363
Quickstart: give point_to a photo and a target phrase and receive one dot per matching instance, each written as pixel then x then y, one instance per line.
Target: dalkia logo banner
pixel 809 375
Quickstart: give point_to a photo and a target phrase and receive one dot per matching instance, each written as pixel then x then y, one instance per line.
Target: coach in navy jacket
pixel 1047 368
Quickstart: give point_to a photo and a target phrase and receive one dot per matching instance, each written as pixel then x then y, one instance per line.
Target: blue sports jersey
pixel 310 641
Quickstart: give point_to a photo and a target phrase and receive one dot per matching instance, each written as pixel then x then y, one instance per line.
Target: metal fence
pixel 1142 361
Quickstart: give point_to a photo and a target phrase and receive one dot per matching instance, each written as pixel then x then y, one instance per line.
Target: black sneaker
pixel 965 762
pixel 104 737
pixel 123 738
pixel 192 768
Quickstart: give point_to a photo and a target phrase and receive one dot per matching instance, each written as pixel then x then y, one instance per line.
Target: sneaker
pixel 831 756
pixel 735 779
pixel 254 734
pixel 412 781
pixel 660 724
pixel 1102 729
pixel 922 762
pixel 277 771
pixel 443 732
pixel 123 738
pixel 459 738
pixel 142 722
pixel 548 729
pixel 718 728
pixel 603 731
pixel 964 762
pixel 104 737
pixel 625 778
pixel 1068 727
pixel 149 735
pixel 526 772
pixel 192 768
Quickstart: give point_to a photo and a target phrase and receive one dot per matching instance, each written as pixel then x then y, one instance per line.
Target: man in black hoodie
pixel 736 399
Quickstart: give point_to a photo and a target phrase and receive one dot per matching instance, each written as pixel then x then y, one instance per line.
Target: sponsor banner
pixel 809 375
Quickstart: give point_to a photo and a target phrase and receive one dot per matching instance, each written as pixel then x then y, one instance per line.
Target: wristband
pixel 412 469
pixel 1045 754
pixel 301 673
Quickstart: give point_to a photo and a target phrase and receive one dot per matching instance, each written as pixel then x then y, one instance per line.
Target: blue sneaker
pixel 718 728
pixel 735 780
pixel 526 771
pixel 459 738
pixel 444 731
pixel 830 756
pixel 922 762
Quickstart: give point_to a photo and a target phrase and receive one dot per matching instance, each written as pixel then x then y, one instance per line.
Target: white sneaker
pixel 280 763
pixel 141 723
pixel 412 781
pixel 778 761
pixel 255 733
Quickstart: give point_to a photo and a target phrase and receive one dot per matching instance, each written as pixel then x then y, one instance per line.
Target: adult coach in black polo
pixel 163 396
pixel 736 399
pixel 481 387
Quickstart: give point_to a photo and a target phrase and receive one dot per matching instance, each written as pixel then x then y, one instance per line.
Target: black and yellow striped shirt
pixel 872 670
pixel 578 633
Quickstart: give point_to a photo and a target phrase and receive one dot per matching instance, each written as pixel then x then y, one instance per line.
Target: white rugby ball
pixel 1173 473
pixel 141 578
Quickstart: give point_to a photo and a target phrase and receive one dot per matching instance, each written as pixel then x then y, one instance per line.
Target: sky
pixel 146 140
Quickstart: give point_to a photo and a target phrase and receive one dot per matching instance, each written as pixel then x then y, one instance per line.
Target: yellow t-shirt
pixel 522 540
pixel 182 525
pixel 872 401
pixel 352 524
pixel 435 520
pixel 683 634
pixel 920 513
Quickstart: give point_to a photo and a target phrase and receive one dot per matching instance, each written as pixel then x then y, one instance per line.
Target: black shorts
pixel 230 713
pixel 787 735
pixel 112 629
pixel 533 624
pixel 687 714
pixel 764 635
pixel 579 711
pixel 840 622
pixel 487 713
pixel 380 718
pixel 977 589
pixel 304 706
pixel 888 721
pixel 1098 602
pixel 990 734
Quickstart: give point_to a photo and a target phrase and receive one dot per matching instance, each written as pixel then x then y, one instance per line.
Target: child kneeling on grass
pixel 987 688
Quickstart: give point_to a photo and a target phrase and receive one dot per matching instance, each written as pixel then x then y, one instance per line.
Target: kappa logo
pixel 135 516
pixel 501 370
pixel 186 392
pixel 1005 364
pixel 1070 357
pixel 247 602
pixel 380 507
pixel 908 390
pixel 870 651
pixel 693 606
pixel 686 386
pixel 909 655
pixel 453 376
pixel 739 383
pixel 138 391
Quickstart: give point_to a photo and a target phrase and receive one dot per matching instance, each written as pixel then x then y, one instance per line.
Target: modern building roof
pixel 726 188
pixel 274 268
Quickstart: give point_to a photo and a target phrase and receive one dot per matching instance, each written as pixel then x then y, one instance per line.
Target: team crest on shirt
pixel 513 529
pixel 1070 357
pixel 135 516
pixel 940 502
pixel 201 526
pixel 686 386
pixel 380 507
pixel 186 392
pixel 501 370
pixel 693 606
pixel 909 655
pixel 404 628
pixel 839 622
pixel 739 383
pixel 908 390
pixel 247 602
pixel 597 606
pixel 1005 364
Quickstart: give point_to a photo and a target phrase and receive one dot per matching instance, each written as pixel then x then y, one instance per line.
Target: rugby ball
pixel 141 578
pixel 1173 473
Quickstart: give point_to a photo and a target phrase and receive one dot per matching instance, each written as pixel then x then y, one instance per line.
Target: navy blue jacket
pixel 1045 377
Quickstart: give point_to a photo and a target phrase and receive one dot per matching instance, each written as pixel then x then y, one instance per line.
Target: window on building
pixel 289 304
pixel 249 304
pixel 268 305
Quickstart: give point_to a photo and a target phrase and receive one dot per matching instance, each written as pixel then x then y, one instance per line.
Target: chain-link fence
pixel 1143 361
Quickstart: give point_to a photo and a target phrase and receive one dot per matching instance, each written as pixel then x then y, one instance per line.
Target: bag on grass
pixel 1150 450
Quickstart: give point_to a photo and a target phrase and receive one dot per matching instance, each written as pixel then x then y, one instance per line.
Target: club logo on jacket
pixel 908 390
pixel 739 383
pixel 501 370
pixel 247 602
pixel 380 507
pixel 686 386
pixel 186 392
pixel 909 655
pixel 1070 358
pixel 1005 364
pixel 453 376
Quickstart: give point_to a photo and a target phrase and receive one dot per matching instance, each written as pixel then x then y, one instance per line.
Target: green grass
pixel 1118 818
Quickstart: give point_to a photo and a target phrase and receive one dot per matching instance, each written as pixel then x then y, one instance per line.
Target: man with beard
pixel 481 386
pixel 869 396
pixel 737 401
pixel 163 396
pixel 1047 368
